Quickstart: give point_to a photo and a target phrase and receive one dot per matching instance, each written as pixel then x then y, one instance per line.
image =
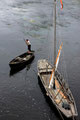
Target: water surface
pixel 21 97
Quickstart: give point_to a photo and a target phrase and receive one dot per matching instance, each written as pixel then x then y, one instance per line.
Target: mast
pixel 52 79
pixel 54 35
pixel 54 42
pixel 56 60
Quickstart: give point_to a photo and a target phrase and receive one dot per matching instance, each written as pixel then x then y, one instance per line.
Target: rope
pixel 60 113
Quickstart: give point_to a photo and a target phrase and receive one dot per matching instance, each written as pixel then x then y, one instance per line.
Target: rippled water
pixel 21 96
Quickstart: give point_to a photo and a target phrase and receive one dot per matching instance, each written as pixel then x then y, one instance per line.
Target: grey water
pixel 21 96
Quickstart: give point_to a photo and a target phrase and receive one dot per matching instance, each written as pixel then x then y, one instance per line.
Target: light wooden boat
pixel 61 96
pixel 53 82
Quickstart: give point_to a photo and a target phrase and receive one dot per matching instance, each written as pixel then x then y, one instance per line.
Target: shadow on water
pixel 18 69
pixel 14 71
pixel 51 105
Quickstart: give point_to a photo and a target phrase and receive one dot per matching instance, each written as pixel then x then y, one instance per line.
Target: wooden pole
pixel 54 39
pixel 54 34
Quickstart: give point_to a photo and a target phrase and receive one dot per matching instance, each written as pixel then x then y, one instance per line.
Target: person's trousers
pixel 29 47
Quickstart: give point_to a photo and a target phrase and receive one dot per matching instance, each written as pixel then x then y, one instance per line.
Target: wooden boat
pixel 61 96
pixel 56 87
pixel 22 60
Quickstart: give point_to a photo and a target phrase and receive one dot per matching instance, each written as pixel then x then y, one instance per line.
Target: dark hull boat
pixel 22 60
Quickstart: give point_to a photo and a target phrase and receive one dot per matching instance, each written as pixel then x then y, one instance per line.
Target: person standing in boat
pixel 28 44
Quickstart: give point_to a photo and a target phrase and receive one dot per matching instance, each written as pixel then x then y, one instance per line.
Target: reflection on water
pixel 14 71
